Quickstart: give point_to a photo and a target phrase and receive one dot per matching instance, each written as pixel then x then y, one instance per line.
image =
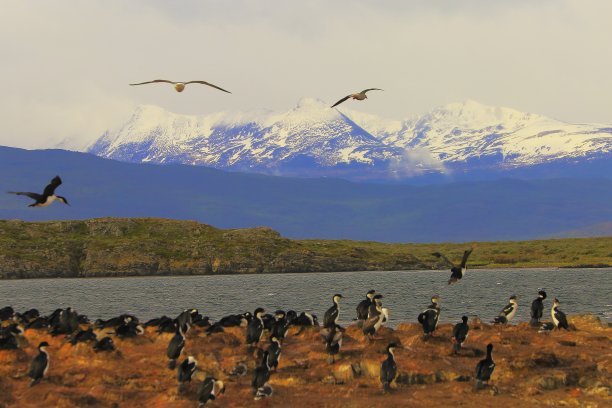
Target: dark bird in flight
pixel 457 272
pixel 180 86
pixel 360 96
pixel 47 197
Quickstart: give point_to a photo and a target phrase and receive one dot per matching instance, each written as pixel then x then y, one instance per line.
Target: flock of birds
pixel 371 315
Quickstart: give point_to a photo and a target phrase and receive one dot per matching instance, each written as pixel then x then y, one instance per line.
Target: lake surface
pixel 406 293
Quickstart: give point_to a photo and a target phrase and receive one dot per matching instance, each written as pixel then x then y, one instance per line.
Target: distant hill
pixel 459 141
pixel 128 247
pixel 503 209
pixel 603 229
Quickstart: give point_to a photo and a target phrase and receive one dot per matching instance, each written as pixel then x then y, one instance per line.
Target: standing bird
pixel 330 318
pixel 47 197
pixel 457 272
pixel 209 390
pixel 180 86
pixel 175 347
pixel 429 317
pixel 280 325
pixel 261 374
pixel 255 328
pixel 508 312
pixel 364 306
pixel 360 96
pixel 40 364
pixel 558 317
pixel 376 316
pixel 537 308
pixel 484 368
pixel 186 370
pixel 332 337
pixel 274 353
pixel 460 334
pixel 388 369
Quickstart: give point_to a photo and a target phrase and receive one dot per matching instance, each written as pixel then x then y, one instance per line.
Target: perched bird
pixel 376 316
pixel 83 336
pixel 104 344
pixel 508 312
pixel 558 317
pixel 537 308
pixel 209 390
pixel 6 313
pixel 304 319
pixel 261 374
pixel 274 353
pixel 67 322
pixel 280 325
pixel 180 86
pixel 40 364
pixel 186 369
pixel 360 96
pixel 364 306
pixel 265 391
pixel 388 369
pixel 330 318
pixel 255 328
pixel 484 368
pixel 429 317
pixel 175 347
pixel 460 334
pixel 129 330
pixel 457 272
pixel 47 197
pixel 332 337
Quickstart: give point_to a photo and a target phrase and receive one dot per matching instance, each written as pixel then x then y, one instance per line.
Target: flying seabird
pixel 47 197
pixel 457 272
pixel 180 86
pixel 360 96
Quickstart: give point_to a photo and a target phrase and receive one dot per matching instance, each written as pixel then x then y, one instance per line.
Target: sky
pixel 66 65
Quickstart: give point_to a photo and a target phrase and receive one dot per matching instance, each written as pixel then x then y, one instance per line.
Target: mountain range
pixel 503 209
pixel 459 141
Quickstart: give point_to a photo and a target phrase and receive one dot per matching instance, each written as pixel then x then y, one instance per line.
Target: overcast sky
pixel 66 64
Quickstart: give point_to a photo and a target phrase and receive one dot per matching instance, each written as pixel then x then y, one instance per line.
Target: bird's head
pixel 435 299
pixel 259 312
pixel 63 200
pixel 43 346
pixel 513 299
pixel 556 301
pixel 392 346
pixel 464 319
pixel 220 386
pixel 371 293
pixel 337 297
pixel 489 347
pixel 542 294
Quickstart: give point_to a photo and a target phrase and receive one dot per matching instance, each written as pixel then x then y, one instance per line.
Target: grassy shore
pixel 144 246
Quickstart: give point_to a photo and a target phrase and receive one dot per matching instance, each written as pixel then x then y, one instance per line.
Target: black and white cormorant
pixel 175 347
pixel 537 309
pixel 280 325
pixel 429 317
pixel 40 364
pixel 377 315
pixel 261 374
pixel 508 312
pixel 255 328
pixel 186 369
pixel 558 317
pixel 104 344
pixel 460 334
pixel 484 368
pixel 83 336
pixel 209 390
pixel 330 318
pixel 457 272
pixel 332 336
pixel 364 306
pixel 6 313
pixel 47 197
pixel 388 369
pixel 274 353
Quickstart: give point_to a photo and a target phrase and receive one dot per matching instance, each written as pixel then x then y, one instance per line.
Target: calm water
pixel 481 292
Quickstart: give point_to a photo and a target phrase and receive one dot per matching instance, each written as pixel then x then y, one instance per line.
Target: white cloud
pixel 66 65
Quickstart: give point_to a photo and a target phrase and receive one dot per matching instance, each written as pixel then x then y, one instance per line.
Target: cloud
pixel 414 162
pixel 66 65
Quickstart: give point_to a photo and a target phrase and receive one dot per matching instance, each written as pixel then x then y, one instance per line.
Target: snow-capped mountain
pixel 312 139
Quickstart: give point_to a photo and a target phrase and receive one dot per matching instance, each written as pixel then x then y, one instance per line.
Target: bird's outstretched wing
pixel 154 81
pixel 50 189
pixel 33 196
pixel 207 83
pixel 466 254
pixel 341 100
pixel 371 89
pixel 444 258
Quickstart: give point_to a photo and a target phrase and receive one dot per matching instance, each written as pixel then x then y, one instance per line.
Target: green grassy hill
pixel 146 246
